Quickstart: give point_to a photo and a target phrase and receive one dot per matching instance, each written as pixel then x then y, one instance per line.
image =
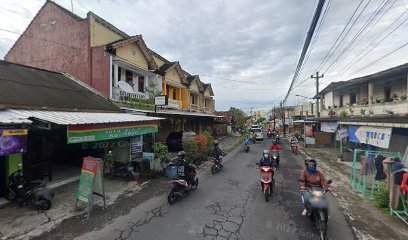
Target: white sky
pixel 257 42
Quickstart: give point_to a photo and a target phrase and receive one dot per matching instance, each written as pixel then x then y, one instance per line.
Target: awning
pixel 7 118
pixel 77 118
pixel 169 112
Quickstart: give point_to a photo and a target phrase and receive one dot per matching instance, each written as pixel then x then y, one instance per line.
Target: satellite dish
pixel 124 86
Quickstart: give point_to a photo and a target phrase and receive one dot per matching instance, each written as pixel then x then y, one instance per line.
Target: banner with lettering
pixel 13 140
pixel 375 136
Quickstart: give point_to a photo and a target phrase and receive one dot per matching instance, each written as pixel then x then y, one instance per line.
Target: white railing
pixel 395 107
pixel 194 107
pixel 132 95
pixel 174 104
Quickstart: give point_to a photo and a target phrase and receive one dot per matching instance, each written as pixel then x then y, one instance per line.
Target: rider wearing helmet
pixel 217 152
pixel 266 159
pixel 311 177
pixel 277 147
pixel 183 168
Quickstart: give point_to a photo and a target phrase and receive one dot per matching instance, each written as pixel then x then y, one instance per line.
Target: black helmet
pixel 216 143
pixel 310 161
pixel 181 154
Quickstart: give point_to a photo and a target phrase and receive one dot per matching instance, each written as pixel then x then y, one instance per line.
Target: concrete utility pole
pixel 274 117
pixel 283 119
pixel 317 77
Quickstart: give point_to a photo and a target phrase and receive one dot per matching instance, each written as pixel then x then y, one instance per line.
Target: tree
pixel 261 120
pixel 239 118
pixel 152 90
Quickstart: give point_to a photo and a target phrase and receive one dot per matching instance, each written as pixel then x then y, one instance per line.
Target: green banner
pixel 85 188
pixel 92 135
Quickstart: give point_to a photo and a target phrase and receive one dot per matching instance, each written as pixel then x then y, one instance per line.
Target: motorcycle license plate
pixel 266 178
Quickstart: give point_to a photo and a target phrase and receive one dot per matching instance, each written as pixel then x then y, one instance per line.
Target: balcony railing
pixel 131 95
pixel 174 104
pixel 208 109
pixel 194 107
pixel 395 107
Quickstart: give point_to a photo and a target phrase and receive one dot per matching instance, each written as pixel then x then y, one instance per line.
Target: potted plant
pixel 403 97
pixel 371 112
pixel 394 96
pixel 383 101
pixel 332 113
pixel 377 100
pixel 329 107
pixel 351 111
pixel 343 114
pixel 362 111
pixel 335 106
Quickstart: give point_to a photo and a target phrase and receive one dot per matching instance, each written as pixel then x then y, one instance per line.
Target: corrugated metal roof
pixel 7 117
pixel 170 112
pixel 78 118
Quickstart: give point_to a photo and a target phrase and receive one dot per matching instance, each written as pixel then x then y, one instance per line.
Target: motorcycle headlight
pixel 317 194
pixel 130 168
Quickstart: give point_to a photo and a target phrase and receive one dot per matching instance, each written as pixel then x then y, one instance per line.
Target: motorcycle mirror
pixel 329 181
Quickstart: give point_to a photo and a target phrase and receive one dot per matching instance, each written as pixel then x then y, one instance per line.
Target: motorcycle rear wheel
pixel 45 204
pixel 10 196
pixel 172 198
pixel 322 225
pixel 195 185
pixel 213 170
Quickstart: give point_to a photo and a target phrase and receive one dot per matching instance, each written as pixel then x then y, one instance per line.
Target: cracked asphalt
pixel 228 205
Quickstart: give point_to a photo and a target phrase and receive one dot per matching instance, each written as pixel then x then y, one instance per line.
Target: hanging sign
pixel 92 133
pixel 12 141
pixel 90 182
pixel 342 133
pixel 374 136
pixel 329 127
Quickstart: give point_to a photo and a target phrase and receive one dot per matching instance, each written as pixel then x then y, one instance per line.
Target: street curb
pixel 306 155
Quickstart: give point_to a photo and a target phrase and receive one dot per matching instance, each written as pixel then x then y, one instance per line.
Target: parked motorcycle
pixel 119 170
pixel 269 134
pixel 246 145
pixel 180 187
pixel 275 157
pixel 267 181
pixel 34 195
pixel 217 166
pixel 294 148
pixel 318 209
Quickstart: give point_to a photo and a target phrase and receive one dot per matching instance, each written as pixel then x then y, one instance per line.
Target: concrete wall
pixel 101 71
pixel 99 34
pixel 133 54
pixel 60 44
pixel 328 99
pixel 399 140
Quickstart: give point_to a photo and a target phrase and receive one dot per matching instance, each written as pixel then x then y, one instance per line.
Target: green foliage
pixel 239 118
pixel 191 150
pixel 343 114
pixel 403 97
pixel 381 199
pixel 202 147
pixel 161 151
pixel 210 142
pixel 297 134
pixel 362 111
pixel 152 90
pixel 351 111
pixel 262 119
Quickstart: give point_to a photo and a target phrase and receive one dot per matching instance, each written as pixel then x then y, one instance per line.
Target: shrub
pixel 161 151
pixel 351 111
pixel 362 111
pixel 403 97
pixel 297 134
pixel 343 114
pixel 202 148
pixel 381 199
pixel 210 142
pixel 191 150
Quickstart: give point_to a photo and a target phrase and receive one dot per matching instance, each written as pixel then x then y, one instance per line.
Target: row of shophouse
pixel 369 112
pixel 74 87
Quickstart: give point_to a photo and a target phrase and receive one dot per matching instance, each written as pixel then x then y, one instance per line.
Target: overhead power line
pixel 306 45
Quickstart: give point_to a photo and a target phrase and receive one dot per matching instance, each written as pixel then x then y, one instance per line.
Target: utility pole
pixel 317 77
pixel 283 119
pixel 251 116
pixel 274 118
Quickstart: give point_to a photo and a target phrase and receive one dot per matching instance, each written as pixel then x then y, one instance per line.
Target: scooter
pixel 267 181
pixel 246 145
pixel 277 138
pixel 275 157
pixel 217 166
pixel 318 209
pixel 269 134
pixel 34 195
pixel 294 148
pixel 180 187
pixel 119 170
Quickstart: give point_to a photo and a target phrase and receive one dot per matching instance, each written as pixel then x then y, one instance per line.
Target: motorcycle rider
pixel 184 169
pixel 294 140
pixel 275 146
pixel 311 177
pixel 266 159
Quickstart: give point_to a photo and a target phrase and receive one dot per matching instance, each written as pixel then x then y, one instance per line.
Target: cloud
pixel 252 41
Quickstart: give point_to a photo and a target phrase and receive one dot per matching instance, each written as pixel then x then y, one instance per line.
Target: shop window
pixel 129 78
pixel 353 98
pixel 119 74
pixel 167 91
pixel 192 100
pixel 341 101
pixel 140 85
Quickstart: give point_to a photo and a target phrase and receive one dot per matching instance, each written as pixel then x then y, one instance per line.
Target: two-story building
pixel 373 108
pixel 119 66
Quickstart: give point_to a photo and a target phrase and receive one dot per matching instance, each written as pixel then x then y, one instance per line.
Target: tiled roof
pixel 32 88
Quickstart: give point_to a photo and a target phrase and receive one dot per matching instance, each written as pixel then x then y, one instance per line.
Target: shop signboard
pixel 92 133
pixel 90 182
pixel 309 131
pixel 13 140
pixel 375 136
pixel 342 133
pixel 161 100
pixel 329 127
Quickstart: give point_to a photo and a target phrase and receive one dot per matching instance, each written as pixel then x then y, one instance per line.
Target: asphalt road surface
pixel 229 205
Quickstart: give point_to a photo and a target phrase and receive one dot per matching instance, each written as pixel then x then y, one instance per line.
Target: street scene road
pixel 229 205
